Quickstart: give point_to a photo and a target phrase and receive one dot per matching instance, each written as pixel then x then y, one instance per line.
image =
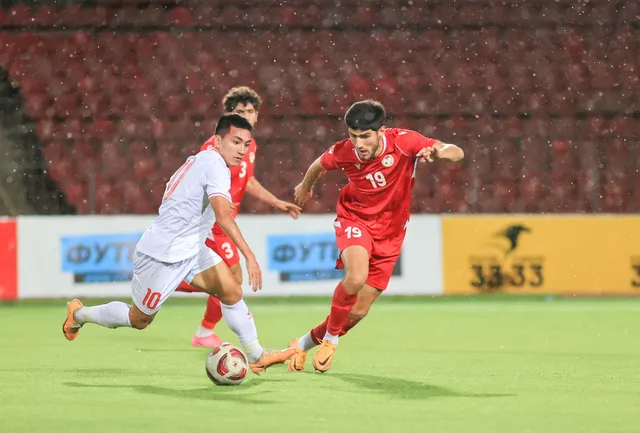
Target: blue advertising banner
pixel 302 257
pixel 99 258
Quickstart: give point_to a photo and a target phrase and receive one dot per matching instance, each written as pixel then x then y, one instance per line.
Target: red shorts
pixel 383 253
pixel 222 246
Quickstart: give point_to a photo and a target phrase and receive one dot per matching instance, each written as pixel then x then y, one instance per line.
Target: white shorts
pixel 154 281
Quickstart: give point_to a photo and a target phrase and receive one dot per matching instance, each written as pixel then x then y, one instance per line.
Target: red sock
pixel 213 313
pixel 340 308
pixel 186 287
pixel 317 333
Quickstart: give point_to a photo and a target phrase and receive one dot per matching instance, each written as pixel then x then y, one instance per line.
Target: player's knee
pixel 139 321
pixel 231 294
pixel 354 280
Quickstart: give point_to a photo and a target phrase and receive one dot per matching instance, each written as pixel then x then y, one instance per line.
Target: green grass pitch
pixel 468 365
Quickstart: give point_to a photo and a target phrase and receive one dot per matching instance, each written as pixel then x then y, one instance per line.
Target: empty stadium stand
pixel 544 96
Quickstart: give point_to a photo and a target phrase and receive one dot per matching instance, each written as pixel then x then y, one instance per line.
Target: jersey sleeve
pixel 411 142
pixel 328 159
pixel 217 180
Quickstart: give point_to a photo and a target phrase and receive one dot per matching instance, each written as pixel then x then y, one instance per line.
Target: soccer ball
pixel 226 365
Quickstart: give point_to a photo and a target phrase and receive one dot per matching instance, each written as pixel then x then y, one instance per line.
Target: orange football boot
pixel 271 357
pixel 324 356
pixel 70 327
pixel 296 362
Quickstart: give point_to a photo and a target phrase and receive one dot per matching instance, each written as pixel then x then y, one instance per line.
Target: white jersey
pixel 185 216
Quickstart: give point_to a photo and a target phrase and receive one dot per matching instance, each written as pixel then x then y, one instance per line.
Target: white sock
pixel 112 315
pixel 202 332
pixel 306 342
pixel 240 320
pixel 331 338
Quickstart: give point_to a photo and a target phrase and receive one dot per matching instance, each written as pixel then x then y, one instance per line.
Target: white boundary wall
pixel 41 254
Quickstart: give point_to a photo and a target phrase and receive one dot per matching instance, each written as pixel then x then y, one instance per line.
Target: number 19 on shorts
pixel 353 232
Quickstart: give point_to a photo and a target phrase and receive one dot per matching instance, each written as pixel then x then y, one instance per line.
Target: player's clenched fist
pixel 255 274
pixel 301 193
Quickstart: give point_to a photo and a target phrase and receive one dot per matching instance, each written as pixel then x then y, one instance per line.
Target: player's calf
pixel 220 282
pixel 138 319
pixel 349 325
pixel 357 313
pixel 355 259
pixel 205 334
pixel 355 317
pixel 112 315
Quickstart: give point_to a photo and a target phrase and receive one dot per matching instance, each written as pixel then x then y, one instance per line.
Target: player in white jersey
pixel 173 249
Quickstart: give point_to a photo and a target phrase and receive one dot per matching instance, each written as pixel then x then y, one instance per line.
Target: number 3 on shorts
pixel 353 232
pixel 228 251
pixel 151 299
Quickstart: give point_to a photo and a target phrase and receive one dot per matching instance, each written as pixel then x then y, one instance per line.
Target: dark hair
pixel 241 95
pixel 226 121
pixel 365 115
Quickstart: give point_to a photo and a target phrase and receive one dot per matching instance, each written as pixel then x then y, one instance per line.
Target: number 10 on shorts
pixel 151 299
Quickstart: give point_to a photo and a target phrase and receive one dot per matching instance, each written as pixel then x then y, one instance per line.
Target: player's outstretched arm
pixel 224 217
pixel 441 150
pixel 255 189
pixel 304 190
pixel 449 151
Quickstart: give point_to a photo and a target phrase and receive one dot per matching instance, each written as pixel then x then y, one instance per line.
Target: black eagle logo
pixel 512 234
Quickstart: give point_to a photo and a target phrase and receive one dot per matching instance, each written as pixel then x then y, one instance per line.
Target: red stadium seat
pixel 37 105
pixel 181 16
pixel 525 89
pixel 18 15
pixel 143 166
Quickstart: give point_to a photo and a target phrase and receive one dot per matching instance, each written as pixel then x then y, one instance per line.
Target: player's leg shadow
pixel 117 372
pixel 110 373
pixel 191 349
pixel 222 393
pixel 404 388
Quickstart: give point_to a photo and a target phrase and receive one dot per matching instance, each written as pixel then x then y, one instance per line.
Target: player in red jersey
pixel 246 102
pixel 372 216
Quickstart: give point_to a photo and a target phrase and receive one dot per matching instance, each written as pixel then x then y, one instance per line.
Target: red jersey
pixel 379 191
pixel 240 174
